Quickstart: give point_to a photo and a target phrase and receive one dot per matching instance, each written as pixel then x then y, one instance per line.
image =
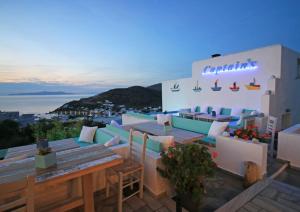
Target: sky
pixel 94 45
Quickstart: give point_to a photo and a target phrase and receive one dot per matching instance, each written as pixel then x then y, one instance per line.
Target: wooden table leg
pixel 88 193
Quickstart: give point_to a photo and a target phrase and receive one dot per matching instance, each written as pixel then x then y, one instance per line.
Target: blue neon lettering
pixel 234 67
pixel 244 65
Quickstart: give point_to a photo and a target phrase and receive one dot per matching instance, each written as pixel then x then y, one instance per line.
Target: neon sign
pixel 234 67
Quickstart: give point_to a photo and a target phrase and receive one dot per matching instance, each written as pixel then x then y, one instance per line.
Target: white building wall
pixel 287 94
pixel 276 72
pixel 172 101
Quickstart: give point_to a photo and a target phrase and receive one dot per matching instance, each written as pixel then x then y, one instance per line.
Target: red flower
pixel 170 155
pixel 215 154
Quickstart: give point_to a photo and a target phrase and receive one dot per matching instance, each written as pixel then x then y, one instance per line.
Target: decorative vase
pixel 186 201
pixel 45 161
pixel 167 128
pixel 42 144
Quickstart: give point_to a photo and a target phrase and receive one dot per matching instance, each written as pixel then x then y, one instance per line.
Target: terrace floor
pixel 220 189
pixel 281 195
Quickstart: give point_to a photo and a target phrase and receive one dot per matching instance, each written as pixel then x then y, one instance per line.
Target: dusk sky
pixel 86 46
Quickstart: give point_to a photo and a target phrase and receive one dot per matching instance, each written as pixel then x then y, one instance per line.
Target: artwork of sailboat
pixel 197 88
pixel 234 87
pixel 216 87
pixel 175 87
pixel 253 85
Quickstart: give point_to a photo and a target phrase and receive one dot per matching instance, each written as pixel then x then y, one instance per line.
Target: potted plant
pixel 187 167
pixel 250 133
pixel 44 157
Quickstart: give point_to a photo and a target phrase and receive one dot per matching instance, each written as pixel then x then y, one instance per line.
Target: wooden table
pixel 29 150
pixel 71 164
pixel 189 114
pixel 210 118
pixel 181 136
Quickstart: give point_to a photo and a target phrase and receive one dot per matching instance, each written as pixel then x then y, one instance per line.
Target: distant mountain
pixel 41 93
pixel 136 97
pixel 157 87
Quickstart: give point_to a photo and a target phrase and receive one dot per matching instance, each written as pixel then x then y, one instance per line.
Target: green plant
pixel 187 167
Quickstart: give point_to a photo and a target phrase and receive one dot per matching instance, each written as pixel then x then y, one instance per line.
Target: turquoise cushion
pixel 197 109
pixel 82 143
pixel 209 110
pixel 225 111
pixel 247 111
pixel 209 140
pixel 141 115
pixel 102 137
pixel 191 125
pixel 3 153
pixel 235 118
pixel 234 125
pixel 153 145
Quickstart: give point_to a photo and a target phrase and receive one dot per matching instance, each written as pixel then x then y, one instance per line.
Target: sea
pixel 37 104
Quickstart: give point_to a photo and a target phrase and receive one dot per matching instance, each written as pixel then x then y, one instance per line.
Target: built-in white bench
pixel 233 153
pixel 289 145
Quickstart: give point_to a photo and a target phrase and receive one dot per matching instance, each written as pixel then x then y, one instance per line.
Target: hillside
pixel 136 97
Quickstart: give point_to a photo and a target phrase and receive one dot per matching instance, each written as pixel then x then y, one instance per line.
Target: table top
pixel 293 130
pixel 190 113
pixel 30 150
pixel 73 161
pixel 213 118
pixel 181 136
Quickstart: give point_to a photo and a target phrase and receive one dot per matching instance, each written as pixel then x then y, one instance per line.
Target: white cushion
pixel 113 141
pixel 254 112
pixel 236 111
pixel 87 134
pixel 115 124
pixel 163 118
pixel 166 141
pixel 217 128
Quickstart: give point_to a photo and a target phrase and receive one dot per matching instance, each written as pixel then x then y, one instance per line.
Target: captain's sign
pixel 234 67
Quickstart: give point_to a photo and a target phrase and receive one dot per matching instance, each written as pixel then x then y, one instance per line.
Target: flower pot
pixel 45 161
pixel 186 201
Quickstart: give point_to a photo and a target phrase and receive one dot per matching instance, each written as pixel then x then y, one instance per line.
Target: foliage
pixel 187 167
pixel 11 134
pixel 247 134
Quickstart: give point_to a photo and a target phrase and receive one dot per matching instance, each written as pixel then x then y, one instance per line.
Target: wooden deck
pixel 277 196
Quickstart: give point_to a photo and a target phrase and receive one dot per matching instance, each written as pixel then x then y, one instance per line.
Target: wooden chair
pixel 130 172
pixel 271 129
pixel 18 195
